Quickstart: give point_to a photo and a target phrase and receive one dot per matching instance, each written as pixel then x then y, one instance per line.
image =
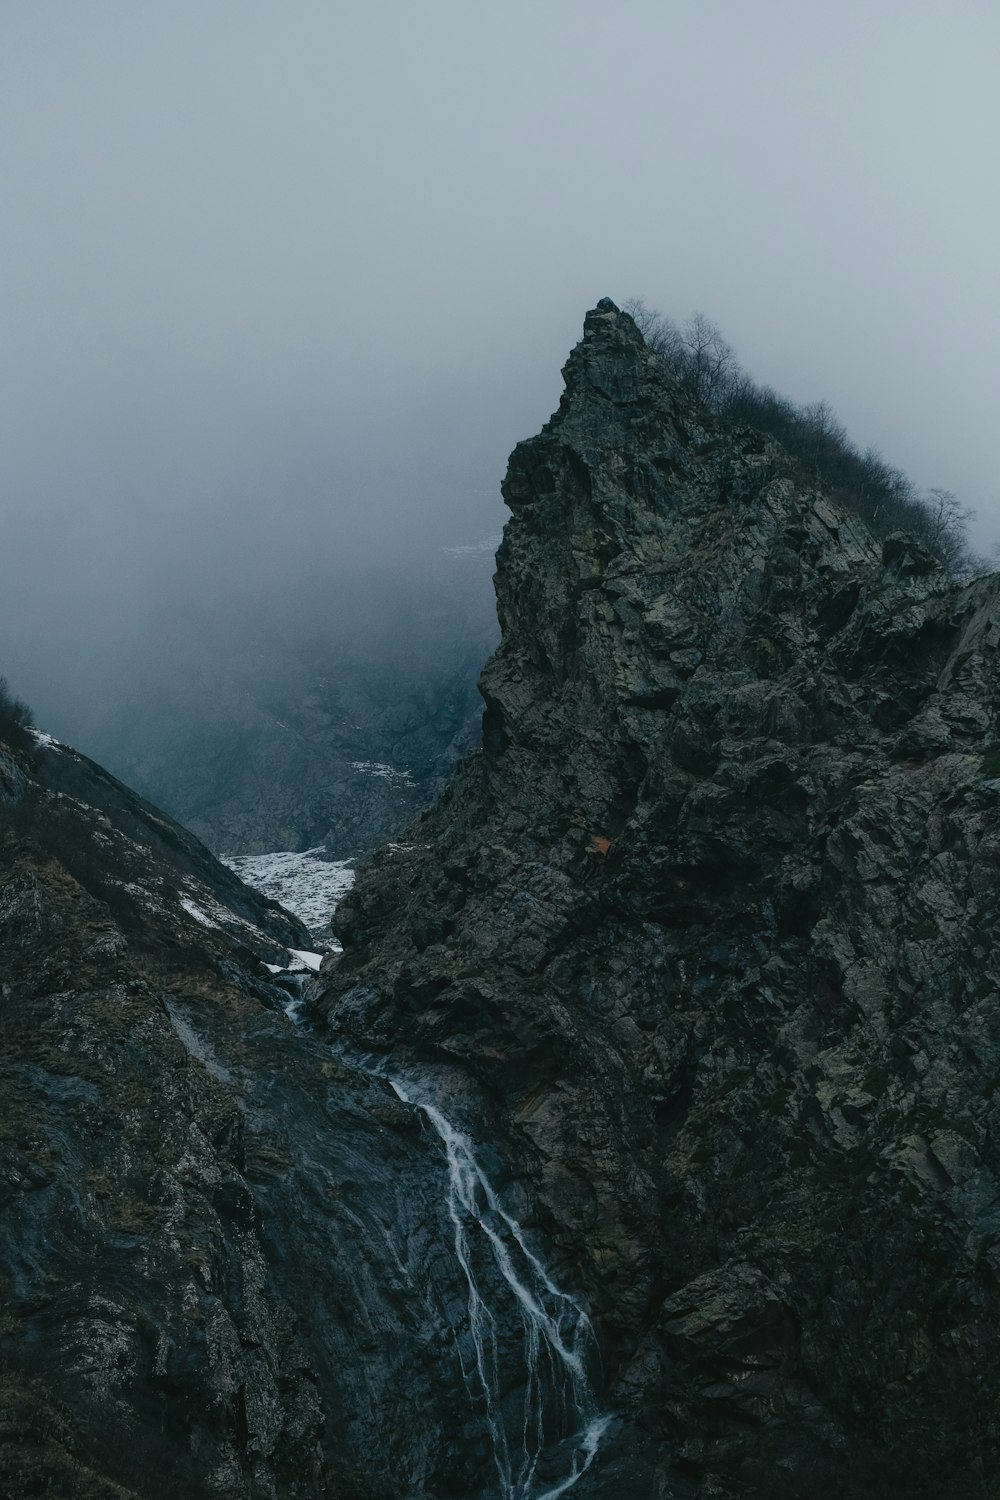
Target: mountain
pixel 639 1142
pixel 704 943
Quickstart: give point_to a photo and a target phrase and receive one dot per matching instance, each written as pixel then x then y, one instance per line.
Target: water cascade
pixel 557 1420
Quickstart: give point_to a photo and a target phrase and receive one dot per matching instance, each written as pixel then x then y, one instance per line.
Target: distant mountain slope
pixel 284 737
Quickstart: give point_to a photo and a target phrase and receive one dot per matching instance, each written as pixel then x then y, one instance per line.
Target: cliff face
pixel 705 938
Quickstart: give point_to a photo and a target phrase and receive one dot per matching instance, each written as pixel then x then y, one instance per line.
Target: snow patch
pixel 311 960
pixel 304 884
pixel 48 741
pixel 379 769
pixel 211 913
pixel 194 910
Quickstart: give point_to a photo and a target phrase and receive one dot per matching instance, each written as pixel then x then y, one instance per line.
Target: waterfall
pixel 559 1410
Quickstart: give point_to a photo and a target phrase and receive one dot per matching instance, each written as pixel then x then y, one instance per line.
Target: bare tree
pixel 710 364
pixel 706 367
pixel 660 332
pixel 946 522
pixel 826 436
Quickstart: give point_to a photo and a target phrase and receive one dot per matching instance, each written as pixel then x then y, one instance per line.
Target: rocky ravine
pixel 705 937
pixel 225 1258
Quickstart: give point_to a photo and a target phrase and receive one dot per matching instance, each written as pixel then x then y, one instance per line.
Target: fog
pixel 284 283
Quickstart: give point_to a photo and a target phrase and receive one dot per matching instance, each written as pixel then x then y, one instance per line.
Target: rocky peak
pixel 705 934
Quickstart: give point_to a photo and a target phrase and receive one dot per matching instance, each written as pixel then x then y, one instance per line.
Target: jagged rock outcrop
pixel 705 937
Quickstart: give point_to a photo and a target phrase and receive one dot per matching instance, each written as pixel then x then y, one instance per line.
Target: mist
pixel 285 284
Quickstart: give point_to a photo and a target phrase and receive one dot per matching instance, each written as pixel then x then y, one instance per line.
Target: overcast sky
pixel 284 280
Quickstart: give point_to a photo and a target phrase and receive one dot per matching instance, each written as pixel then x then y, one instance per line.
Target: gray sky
pixel 283 282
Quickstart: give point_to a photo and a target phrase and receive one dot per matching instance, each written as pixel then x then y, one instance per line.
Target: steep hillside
pixel 705 938
pixel 225 1258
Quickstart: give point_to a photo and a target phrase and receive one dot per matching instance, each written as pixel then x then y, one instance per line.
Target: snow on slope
pixel 308 886
pixel 45 740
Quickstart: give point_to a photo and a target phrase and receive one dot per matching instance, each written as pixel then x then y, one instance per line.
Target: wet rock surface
pixel 705 938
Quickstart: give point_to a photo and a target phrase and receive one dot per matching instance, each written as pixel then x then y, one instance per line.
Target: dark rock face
pixel 224 1261
pixel 706 937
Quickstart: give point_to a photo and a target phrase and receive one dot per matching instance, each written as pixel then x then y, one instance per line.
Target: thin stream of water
pixel 559 1417
pixel 560 1408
